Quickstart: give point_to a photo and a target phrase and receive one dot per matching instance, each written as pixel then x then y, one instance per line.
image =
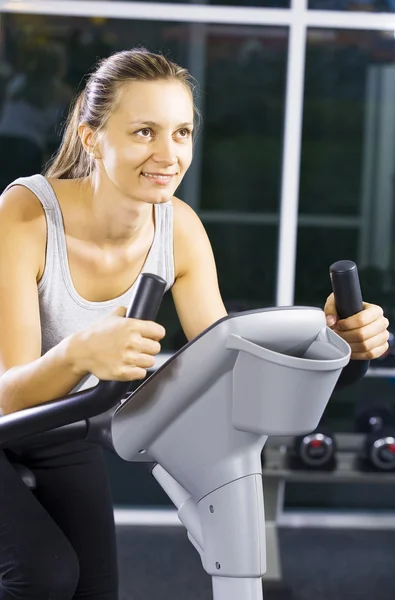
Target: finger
pixel 149 329
pixel 366 332
pixel 371 313
pixel 330 310
pixel 120 311
pixel 136 343
pixel 372 355
pixel 138 374
pixel 331 319
pixel 330 305
pixel 129 373
pixel 146 346
pixel 139 359
pixel 371 344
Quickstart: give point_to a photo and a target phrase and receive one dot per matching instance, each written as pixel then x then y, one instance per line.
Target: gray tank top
pixel 62 310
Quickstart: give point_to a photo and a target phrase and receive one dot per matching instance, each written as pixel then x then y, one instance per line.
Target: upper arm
pixel 196 291
pixel 22 241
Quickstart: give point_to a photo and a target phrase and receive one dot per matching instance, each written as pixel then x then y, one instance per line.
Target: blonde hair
pixel 96 102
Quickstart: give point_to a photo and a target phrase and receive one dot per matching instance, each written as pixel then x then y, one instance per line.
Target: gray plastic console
pixel 205 416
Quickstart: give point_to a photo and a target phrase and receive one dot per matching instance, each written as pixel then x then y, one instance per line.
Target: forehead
pixel 160 101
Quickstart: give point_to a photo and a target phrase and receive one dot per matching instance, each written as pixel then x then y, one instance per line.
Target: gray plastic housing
pixel 205 415
pixel 267 372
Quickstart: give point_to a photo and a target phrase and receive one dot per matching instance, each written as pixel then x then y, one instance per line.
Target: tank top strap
pixel 163 250
pixel 40 188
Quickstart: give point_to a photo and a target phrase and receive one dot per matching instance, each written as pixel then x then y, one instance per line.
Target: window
pixel 347 167
pixel 244 115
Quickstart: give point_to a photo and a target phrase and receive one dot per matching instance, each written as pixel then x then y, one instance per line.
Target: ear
pixel 88 140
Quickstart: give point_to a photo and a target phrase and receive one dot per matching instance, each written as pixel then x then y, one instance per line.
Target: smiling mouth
pixel 158 176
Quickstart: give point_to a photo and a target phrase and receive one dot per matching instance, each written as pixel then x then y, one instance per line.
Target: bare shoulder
pixel 20 204
pixel 185 219
pixel 191 243
pixel 22 250
pixel 22 220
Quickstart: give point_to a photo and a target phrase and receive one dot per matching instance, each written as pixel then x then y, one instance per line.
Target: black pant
pixel 57 542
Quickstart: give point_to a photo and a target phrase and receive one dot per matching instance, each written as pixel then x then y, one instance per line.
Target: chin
pixel 159 198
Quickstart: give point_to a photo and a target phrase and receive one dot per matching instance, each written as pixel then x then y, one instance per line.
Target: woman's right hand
pixel 115 347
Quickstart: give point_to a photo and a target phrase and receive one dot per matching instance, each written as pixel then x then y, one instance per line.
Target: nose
pixel 164 151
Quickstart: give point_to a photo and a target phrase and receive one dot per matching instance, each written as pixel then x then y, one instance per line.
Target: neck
pixel 113 219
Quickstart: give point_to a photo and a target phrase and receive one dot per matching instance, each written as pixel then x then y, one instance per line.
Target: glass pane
pixel 246 279
pixel 355 5
pixel 244 115
pixel 339 88
pixel 348 158
pixel 318 248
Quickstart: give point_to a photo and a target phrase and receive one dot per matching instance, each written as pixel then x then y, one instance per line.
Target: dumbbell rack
pixel 277 472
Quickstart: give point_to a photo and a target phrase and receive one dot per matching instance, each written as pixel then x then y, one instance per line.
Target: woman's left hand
pixel 366 332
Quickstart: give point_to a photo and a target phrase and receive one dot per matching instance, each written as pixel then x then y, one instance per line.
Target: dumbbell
pixel 377 420
pixel 316 450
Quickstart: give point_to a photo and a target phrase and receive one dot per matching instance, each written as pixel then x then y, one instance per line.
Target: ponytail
pixel 71 161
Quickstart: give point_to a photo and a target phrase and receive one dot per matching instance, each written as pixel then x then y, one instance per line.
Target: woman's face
pixel 146 145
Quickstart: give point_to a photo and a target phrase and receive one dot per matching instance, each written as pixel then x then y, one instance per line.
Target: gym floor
pixel 159 563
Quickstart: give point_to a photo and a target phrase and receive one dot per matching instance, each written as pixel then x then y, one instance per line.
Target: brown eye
pixel 184 133
pixel 146 132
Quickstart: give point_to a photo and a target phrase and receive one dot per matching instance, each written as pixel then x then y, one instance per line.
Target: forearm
pixel 49 377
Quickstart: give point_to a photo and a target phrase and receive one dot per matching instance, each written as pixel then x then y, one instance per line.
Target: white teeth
pixel 153 176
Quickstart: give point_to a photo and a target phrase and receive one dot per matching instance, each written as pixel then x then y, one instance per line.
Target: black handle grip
pixel 346 288
pixel 144 305
pixel 348 301
pixel 86 403
pixel 148 297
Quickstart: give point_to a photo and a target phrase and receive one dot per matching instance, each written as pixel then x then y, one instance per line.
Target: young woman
pixel 72 244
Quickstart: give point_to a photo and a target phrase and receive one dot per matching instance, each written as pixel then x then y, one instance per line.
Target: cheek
pixel 133 155
pixel 186 157
pixel 117 154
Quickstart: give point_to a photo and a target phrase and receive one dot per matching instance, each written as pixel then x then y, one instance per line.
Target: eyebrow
pixel 153 124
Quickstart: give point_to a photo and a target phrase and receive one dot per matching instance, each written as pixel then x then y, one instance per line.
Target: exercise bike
pixel 204 416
